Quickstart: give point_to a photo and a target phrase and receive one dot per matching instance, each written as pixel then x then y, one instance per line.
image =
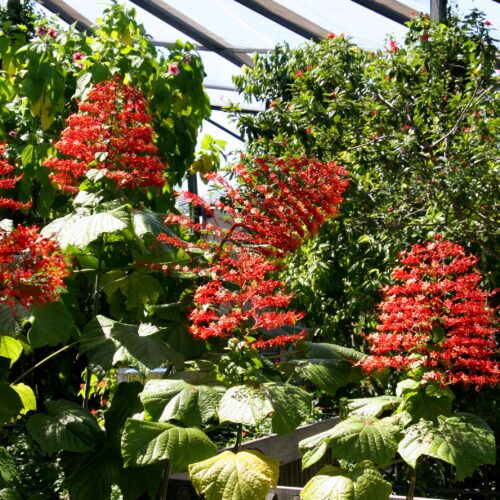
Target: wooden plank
pixel 392 9
pixel 286 17
pixel 188 26
pixel 67 13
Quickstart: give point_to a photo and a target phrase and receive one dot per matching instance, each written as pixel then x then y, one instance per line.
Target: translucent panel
pixel 367 28
pixel 235 23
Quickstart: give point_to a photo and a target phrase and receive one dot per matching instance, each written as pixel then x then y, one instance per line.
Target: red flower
pixel 112 133
pixel 487 23
pixel 53 33
pixel 424 36
pixel 32 267
pixel 330 36
pixel 436 319
pixel 393 46
pixel 279 205
pixel 308 131
pixel 299 73
pixel 8 181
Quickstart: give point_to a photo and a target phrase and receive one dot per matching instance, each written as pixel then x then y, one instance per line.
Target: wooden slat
pixel 178 20
pixel 392 9
pixel 67 13
pixel 286 17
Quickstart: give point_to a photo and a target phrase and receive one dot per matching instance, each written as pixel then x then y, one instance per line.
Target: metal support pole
pixel 438 10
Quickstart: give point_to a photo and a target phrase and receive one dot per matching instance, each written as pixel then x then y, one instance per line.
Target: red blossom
pixel 436 318
pixel 393 46
pixel 299 73
pixel 173 69
pixel 330 36
pixel 278 204
pixel 8 181
pixel 32 267
pixel 111 132
pixel 487 23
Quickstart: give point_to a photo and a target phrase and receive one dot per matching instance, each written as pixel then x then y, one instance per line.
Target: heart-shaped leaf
pixel 193 405
pixel 66 427
pixel 363 482
pixel 463 440
pixel 247 475
pixel 145 443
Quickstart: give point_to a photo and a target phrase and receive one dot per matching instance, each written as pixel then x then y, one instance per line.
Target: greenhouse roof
pixel 228 32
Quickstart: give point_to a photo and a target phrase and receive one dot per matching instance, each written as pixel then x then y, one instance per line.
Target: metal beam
pixel 438 10
pixel 201 48
pixel 286 17
pixel 178 20
pixel 392 9
pixel 67 13
pixel 225 129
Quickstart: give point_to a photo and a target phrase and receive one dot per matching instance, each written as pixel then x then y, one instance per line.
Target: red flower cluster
pixel 8 181
pixel 278 205
pixel 436 319
pixel 111 132
pixel 32 267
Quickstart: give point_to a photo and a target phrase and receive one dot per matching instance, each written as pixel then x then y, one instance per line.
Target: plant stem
pixel 44 360
pixel 238 438
pixel 413 482
pixel 95 309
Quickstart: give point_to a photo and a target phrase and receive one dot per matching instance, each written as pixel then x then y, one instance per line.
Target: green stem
pixel 95 309
pixel 44 360
pixel 164 482
pixel 238 438
pixel 413 482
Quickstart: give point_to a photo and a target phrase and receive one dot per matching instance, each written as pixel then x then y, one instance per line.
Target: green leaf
pixel 145 443
pixel 10 348
pixel 81 230
pixel 90 474
pixel 66 427
pixel 11 319
pixel 134 481
pixel 363 482
pixel 371 407
pixel 465 441
pixel 140 289
pixel 8 469
pixel 425 401
pixel 27 397
pixel 107 342
pixel 329 366
pixel 365 438
pixel 11 403
pixel 247 475
pixel 9 494
pixel 125 402
pixel 146 222
pixel 251 405
pixel 314 448
pixel 52 324
pixel 193 405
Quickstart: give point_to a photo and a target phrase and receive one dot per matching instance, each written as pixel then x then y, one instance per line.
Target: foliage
pixel 415 126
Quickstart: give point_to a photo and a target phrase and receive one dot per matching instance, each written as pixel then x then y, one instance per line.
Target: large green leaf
pixel 147 221
pixel 140 289
pixel 134 481
pixel 52 324
pixel 11 403
pixel 425 400
pixel 363 482
pixel 11 319
pixel 251 405
pixel 356 438
pixel 329 366
pixel 125 402
pixel 66 427
pixel 8 469
pixel 10 348
pixel 371 407
pixel 463 440
pixel 146 443
pixel 193 405
pixel 90 474
pixel 247 475
pixel 107 342
pixel 81 229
